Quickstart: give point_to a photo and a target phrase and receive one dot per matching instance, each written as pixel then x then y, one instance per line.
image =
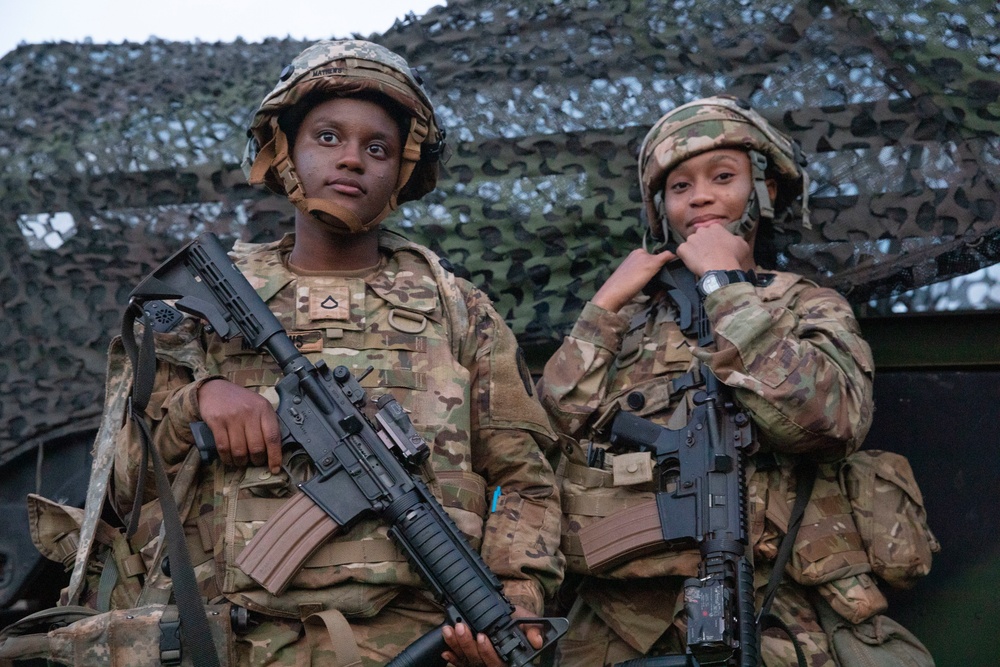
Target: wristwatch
pixel 713 280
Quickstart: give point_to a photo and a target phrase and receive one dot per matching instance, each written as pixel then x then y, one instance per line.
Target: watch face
pixel 710 282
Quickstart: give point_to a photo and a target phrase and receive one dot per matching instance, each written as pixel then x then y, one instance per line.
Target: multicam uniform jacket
pixel 794 355
pixel 449 359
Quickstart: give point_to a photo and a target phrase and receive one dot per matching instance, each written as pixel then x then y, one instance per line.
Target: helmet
pixel 721 122
pixel 344 68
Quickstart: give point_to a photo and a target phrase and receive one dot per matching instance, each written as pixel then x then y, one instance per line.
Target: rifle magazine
pixel 282 546
pixel 622 536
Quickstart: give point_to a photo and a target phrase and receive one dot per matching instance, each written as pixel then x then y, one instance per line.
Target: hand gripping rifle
pixel 363 468
pixel 701 503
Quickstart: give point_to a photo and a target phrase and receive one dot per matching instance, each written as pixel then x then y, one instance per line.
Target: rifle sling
pixel 191 610
pixel 805 478
pixel 107 582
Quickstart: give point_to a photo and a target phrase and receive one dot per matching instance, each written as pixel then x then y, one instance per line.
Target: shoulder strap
pixel 452 297
pixel 805 479
pixel 115 404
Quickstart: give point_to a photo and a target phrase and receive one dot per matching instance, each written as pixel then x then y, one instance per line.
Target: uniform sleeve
pixel 509 433
pixel 574 381
pixel 803 371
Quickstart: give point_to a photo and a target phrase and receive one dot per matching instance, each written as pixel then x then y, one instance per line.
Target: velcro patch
pixel 307 341
pixel 329 303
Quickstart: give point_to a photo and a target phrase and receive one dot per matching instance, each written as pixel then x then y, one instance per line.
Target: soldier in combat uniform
pixel 713 175
pixel 347 135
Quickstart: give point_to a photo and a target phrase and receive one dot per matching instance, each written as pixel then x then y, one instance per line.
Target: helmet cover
pixel 709 124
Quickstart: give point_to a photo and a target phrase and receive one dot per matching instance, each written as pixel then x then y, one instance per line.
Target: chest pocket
pixel 402 325
pixel 653 347
pixel 360 325
pixel 653 384
pixel 243 365
pixel 399 360
pixel 674 356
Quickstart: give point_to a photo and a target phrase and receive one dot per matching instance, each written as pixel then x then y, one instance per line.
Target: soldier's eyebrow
pixel 723 157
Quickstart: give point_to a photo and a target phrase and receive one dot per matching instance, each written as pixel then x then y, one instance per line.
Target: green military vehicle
pixel 112 156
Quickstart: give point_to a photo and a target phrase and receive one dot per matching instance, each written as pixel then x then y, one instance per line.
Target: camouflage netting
pixel 112 155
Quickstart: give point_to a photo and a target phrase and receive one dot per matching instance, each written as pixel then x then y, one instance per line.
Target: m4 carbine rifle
pixel 363 468
pixel 701 503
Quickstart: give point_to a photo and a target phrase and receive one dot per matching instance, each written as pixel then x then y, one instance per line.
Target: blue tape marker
pixel 496 498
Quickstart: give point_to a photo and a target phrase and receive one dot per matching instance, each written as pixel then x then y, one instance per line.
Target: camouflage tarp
pixel 545 103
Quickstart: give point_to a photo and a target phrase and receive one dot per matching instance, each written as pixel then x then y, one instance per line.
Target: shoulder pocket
pixel 889 511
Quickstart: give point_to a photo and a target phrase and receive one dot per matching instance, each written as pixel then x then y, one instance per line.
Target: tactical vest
pixel 397 323
pixel 655 376
pixel 410 323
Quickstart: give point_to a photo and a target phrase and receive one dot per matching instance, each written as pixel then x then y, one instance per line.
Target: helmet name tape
pixel 327 71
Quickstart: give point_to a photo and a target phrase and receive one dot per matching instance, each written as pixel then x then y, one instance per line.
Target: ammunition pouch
pixel 889 510
pixel 83 637
pixel 596 485
pixel 865 518
pixel 878 641
pixel 589 495
pixel 855 598
pixel 828 545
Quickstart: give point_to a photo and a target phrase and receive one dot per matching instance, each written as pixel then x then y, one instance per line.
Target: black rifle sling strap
pixel 805 477
pixel 191 610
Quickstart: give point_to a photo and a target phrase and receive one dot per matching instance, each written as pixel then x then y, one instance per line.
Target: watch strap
pixel 724 278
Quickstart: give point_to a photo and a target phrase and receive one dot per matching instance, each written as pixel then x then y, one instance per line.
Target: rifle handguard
pixel 282 546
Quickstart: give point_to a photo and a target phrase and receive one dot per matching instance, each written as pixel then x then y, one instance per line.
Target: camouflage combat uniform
pixel 451 361
pixel 793 354
pixel 433 341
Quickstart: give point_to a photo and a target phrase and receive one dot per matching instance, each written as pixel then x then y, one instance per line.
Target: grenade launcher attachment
pixel 364 469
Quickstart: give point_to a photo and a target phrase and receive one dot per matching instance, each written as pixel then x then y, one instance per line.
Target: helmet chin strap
pixel 336 217
pixel 759 205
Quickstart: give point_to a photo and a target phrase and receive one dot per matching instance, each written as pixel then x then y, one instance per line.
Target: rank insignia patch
pixel 329 303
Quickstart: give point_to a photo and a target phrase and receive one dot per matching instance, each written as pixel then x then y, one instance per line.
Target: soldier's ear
pixel 772 188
